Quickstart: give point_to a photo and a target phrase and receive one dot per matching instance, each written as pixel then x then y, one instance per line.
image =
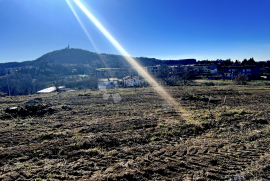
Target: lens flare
pixel 160 90
pixel 85 31
pixel 79 20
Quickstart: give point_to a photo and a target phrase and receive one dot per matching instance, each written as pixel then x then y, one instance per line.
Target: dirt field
pixel 81 136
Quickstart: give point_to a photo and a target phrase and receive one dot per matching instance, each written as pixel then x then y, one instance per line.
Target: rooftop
pixel 110 79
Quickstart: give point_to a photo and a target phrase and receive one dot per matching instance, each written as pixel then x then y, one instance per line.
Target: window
pixel 248 70
pixel 243 70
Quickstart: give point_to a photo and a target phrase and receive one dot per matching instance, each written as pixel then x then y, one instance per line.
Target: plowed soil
pixel 81 136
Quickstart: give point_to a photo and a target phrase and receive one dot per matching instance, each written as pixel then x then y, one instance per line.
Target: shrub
pixel 267 83
pixel 208 84
pixel 221 83
pixel 256 83
pixel 240 80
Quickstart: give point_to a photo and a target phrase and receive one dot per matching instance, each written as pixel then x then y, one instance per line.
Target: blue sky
pixel 171 29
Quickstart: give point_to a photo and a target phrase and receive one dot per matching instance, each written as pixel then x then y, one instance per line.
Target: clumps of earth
pixel 32 107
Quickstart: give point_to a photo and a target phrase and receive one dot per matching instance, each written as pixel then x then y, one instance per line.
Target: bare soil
pixel 81 136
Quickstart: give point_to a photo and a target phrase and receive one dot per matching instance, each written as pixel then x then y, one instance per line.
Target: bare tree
pixel 240 80
pixel 184 74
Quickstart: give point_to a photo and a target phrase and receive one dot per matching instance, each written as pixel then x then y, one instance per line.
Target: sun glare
pixel 85 31
pixel 160 90
pixel 83 27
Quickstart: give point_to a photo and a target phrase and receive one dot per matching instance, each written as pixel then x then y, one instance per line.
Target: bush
pixel 221 83
pixel 240 80
pixel 208 84
pixel 267 83
pixel 256 84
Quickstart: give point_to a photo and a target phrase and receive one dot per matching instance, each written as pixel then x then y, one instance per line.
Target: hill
pixel 65 67
pixel 99 60
pixel 79 56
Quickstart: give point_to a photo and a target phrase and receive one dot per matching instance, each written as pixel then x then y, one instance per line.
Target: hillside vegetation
pixel 64 67
pixel 80 56
pixel 81 135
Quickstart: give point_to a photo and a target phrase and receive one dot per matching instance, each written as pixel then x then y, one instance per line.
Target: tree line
pixel 28 81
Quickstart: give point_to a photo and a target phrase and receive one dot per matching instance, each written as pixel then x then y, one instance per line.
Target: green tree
pixel 251 61
pixel 244 62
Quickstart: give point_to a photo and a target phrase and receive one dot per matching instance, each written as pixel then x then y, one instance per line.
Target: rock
pixel 11 109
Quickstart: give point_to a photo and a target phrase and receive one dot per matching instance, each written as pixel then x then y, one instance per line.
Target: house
pixel 213 69
pixel 130 81
pixel 202 68
pixel 229 72
pixel 152 69
pixel 107 83
pixel 264 70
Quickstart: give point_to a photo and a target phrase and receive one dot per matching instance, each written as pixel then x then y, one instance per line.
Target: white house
pixel 130 81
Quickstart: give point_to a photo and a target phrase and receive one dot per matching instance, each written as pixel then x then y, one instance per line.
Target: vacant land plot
pixel 81 135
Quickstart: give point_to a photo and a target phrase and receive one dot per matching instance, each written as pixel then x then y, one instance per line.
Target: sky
pixel 162 29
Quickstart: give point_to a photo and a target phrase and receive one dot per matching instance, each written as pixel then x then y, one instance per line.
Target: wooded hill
pixel 80 56
pixel 64 67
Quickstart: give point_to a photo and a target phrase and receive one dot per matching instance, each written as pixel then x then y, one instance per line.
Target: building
pixel 229 72
pixel 107 83
pixel 213 69
pixel 153 70
pixel 202 68
pixel 130 81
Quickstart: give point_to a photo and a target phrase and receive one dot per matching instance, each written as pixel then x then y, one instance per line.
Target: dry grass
pixel 87 137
